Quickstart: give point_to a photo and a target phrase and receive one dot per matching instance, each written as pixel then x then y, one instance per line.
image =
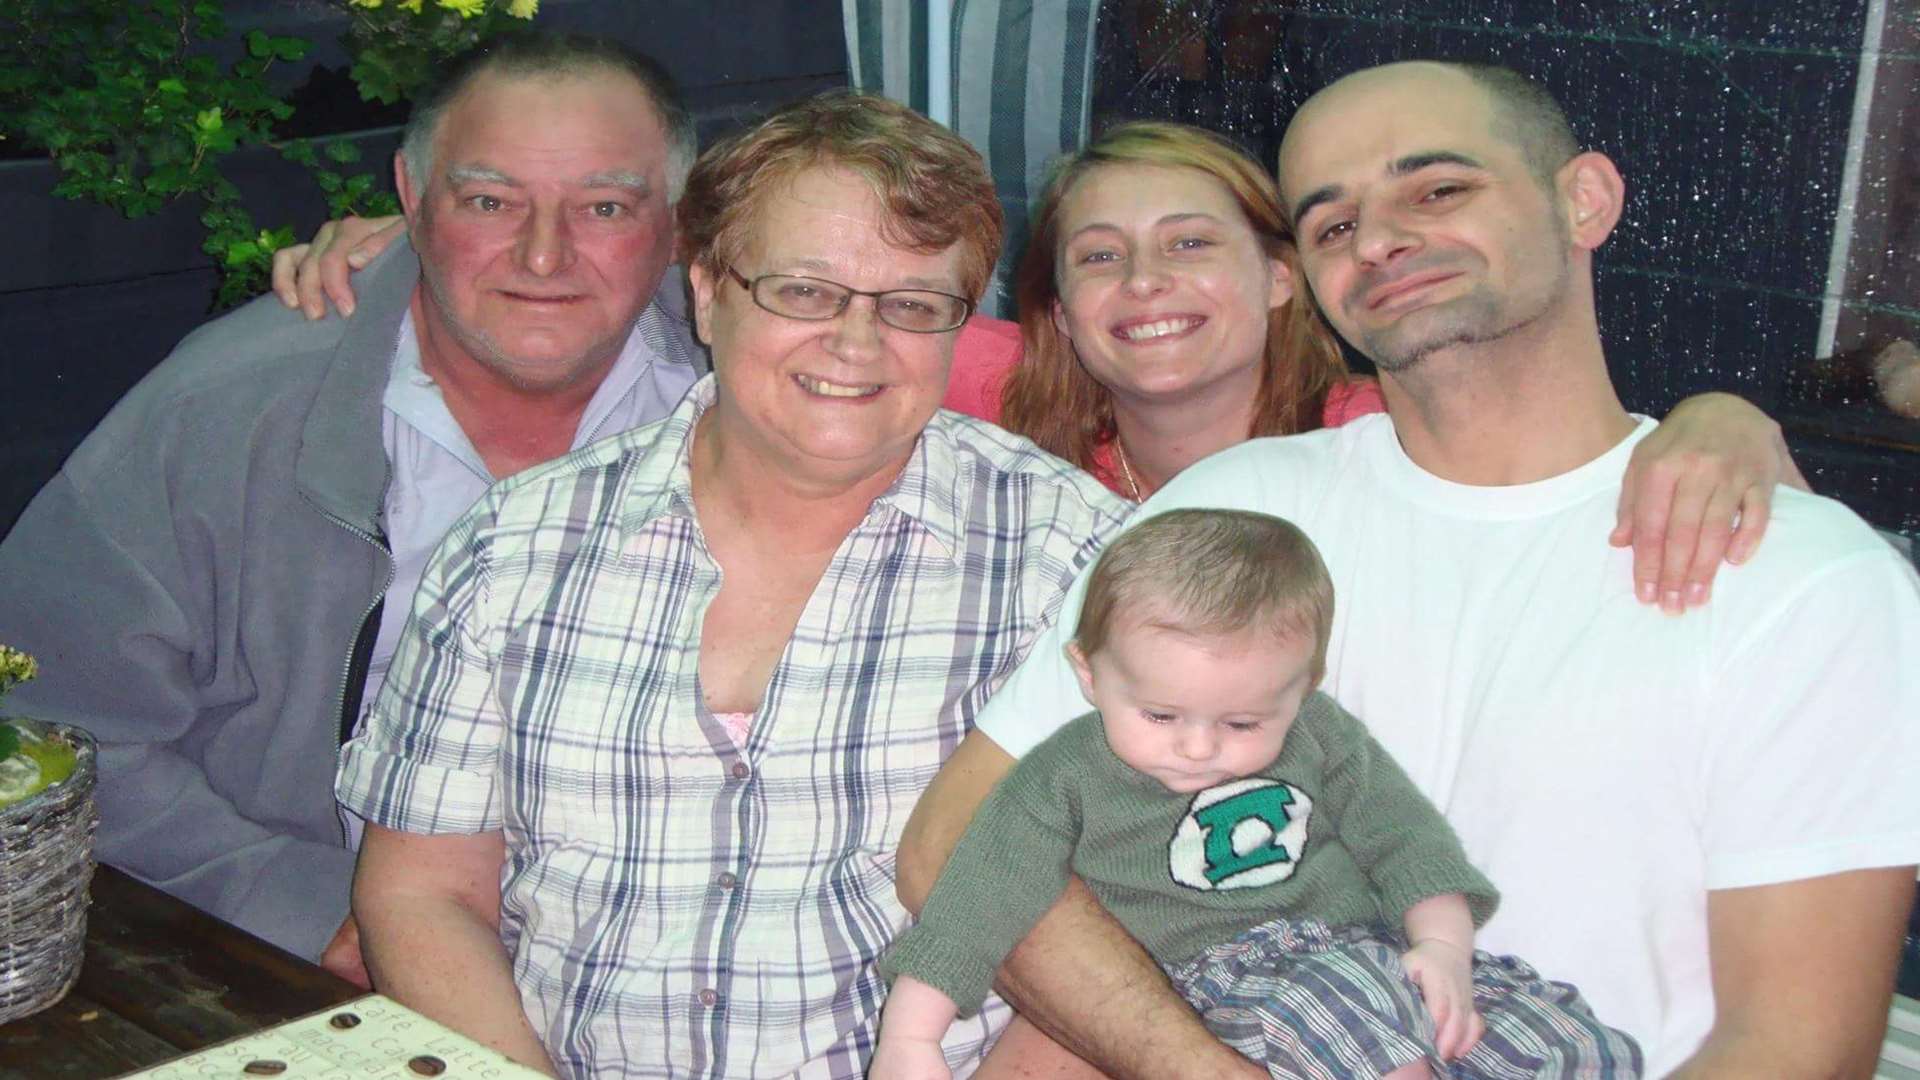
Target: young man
pixel 1708 822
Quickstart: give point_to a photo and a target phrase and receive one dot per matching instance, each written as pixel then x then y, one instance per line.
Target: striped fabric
pixel 1313 1003
pixel 1022 81
pixel 887 48
pixel 678 905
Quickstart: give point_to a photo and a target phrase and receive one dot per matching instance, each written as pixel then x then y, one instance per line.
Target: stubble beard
pixel 527 376
pixel 1479 318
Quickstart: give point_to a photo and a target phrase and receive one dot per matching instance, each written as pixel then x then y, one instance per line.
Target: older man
pixel 1708 823
pixel 203 581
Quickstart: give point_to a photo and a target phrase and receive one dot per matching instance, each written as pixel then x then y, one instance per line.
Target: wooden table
pixel 161 978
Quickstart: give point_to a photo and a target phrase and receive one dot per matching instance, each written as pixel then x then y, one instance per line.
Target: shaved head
pixel 1520 112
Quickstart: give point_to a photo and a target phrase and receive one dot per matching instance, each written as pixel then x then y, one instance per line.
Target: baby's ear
pixel 1081 669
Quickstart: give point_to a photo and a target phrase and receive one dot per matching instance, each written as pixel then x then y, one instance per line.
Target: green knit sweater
pixel 1333 830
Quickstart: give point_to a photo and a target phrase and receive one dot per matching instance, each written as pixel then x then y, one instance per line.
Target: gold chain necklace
pixel 1126 470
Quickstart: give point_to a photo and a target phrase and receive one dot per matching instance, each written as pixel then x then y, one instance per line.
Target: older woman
pixel 663 707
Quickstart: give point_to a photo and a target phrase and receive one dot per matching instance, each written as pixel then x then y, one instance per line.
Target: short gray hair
pixel 534 54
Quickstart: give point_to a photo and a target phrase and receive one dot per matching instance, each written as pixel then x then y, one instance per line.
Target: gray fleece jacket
pixel 193 581
pixel 200 583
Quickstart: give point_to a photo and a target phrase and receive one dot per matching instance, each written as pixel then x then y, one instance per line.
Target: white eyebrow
pixel 469 174
pixel 617 178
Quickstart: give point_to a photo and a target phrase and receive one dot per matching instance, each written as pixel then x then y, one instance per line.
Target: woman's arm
pixel 1697 489
pixel 308 276
pixel 429 914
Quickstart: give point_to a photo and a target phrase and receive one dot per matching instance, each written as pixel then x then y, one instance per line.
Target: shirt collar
pixel 927 492
pixel 928 489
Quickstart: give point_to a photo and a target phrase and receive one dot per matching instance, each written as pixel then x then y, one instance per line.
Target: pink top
pixel 988 349
pixel 737 725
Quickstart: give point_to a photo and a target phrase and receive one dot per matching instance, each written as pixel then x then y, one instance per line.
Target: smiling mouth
pixel 531 298
pixel 1157 329
pixel 822 388
pixel 1387 295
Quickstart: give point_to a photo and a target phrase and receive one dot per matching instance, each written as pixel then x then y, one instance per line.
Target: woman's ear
pixel 1281 289
pixel 703 286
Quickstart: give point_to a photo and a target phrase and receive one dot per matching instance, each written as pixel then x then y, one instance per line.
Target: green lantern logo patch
pixel 1240 835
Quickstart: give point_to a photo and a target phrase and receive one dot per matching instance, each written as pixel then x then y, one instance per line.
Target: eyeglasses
pixel 917 311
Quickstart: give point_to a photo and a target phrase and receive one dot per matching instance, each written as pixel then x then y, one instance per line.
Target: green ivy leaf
pixel 169 179
pixel 343 151
pixel 242 251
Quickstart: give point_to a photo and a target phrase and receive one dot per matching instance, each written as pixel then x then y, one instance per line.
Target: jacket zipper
pixel 354 650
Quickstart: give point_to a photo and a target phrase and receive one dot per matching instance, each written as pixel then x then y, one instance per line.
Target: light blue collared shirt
pixel 437 473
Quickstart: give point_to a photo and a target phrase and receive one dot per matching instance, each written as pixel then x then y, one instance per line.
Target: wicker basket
pixel 46 863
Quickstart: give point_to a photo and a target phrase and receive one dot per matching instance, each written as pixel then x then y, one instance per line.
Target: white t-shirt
pixel 1605 764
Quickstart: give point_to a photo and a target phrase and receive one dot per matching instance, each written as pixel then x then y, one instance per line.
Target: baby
pixel 1248 832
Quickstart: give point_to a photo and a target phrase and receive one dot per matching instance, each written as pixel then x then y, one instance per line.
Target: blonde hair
pixel 934 186
pixel 1051 399
pixel 1211 573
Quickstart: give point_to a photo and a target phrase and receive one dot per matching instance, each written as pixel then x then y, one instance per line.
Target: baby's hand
pixel 1444 973
pixel 908 1059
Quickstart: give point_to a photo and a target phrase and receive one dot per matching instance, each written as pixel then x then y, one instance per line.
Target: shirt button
pixel 740 770
pixel 727 880
pixel 709 998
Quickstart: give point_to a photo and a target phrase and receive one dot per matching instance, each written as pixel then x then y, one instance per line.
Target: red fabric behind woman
pixel 988 349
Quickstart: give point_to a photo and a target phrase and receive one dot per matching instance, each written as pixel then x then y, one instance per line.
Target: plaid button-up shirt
pixel 676 905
